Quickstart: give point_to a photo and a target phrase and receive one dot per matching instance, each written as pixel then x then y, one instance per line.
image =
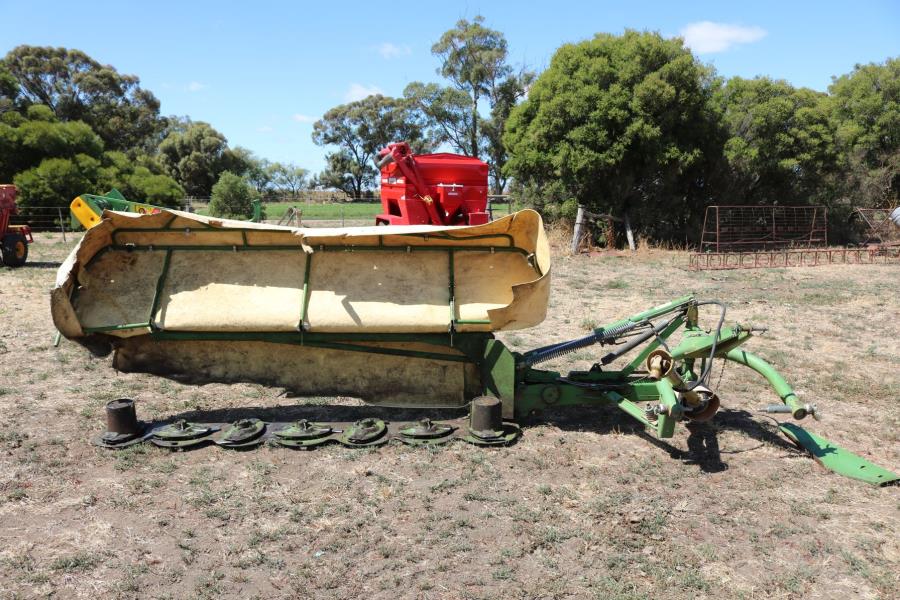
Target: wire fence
pixel 746 228
pixel 356 210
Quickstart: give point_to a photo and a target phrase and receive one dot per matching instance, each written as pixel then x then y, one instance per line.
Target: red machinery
pixel 431 189
pixel 14 239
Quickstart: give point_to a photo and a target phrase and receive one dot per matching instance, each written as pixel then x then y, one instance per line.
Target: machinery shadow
pixel 43 265
pixel 703 448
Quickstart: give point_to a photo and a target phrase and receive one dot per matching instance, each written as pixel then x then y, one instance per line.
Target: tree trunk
pixel 628 233
pixel 474 140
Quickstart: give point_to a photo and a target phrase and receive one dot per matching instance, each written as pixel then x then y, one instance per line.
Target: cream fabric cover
pixel 247 287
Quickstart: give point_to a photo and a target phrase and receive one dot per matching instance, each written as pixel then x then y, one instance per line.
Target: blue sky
pixel 261 72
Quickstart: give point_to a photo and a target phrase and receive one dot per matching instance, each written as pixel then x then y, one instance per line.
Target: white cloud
pixel 358 91
pixel 388 50
pixel 195 86
pixel 705 37
pixel 301 118
pixel 265 129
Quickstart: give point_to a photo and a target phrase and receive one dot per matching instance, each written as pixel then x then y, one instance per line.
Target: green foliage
pixel 446 110
pixel 25 141
pixel 56 181
pixel 287 177
pixel 619 123
pixel 196 156
pixel 473 57
pixel 9 90
pixel 474 60
pixel 232 197
pixel 75 87
pixel 53 161
pixel 141 182
pixel 780 148
pixel 866 113
pixel 359 130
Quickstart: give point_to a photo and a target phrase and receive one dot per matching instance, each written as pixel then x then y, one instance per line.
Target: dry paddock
pixel 586 505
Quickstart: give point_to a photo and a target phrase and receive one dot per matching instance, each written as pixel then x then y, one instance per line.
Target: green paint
pixel 781 387
pixel 834 458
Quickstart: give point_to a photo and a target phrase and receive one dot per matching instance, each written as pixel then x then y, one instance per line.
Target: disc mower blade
pixel 834 458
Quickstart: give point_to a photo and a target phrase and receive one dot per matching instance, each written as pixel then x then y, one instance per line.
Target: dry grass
pixel 585 506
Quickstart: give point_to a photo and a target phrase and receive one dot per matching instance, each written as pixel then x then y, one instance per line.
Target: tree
pixel 780 147
pixel 140 180
pixel 504 97
pixel 258 171
pixel 25 140
pixel 865 108
pixel 9 90
pixel 473 57
pixel 359 130
pixel 232 197
pixel 288 176
pixel 78 88
pixel 623 125
pixel 56 181
pixel 446 110
pixel 196 157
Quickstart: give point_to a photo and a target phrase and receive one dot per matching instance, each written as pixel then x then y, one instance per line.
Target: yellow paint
pixel 83 212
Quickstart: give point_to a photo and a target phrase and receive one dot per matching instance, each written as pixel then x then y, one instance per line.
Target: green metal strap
pixel 304 300
pixel 834 458
pixel 470 344
pixel 452 292
pixel 160 283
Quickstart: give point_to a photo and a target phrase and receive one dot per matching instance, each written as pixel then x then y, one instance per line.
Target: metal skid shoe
pixel 486 426
pixel 243 433
pixel 181 435
pixel 365 433
pixel 303 434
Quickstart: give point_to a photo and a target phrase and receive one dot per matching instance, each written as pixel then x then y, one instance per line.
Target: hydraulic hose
pixel 712 351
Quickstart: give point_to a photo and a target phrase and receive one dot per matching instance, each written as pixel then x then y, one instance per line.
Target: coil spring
pixel 552 352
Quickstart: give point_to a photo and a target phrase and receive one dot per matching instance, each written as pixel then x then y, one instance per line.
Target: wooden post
pixel 579 230
pixel 628 233
pixel 62 224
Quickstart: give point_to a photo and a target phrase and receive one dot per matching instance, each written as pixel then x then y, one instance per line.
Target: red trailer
pixel 14 239
pixel 431 189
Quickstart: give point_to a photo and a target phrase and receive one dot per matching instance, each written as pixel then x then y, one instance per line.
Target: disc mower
pixel 401 316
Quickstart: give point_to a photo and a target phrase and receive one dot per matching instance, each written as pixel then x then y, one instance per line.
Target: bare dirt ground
pixel 586 505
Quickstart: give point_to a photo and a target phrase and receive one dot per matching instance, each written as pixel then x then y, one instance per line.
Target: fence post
pixel 579 229
pixel 62 224
pixel 628 233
